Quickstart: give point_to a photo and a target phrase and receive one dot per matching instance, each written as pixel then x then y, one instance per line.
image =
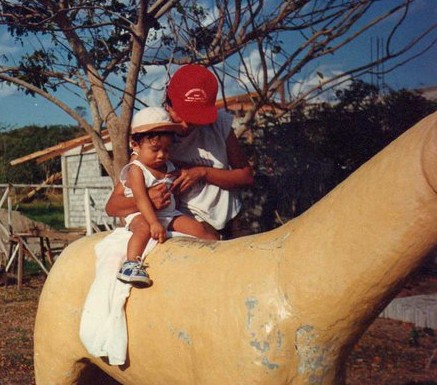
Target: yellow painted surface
pixel 283 307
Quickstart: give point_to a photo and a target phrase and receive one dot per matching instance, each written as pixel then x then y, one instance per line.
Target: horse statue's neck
pixel 346 257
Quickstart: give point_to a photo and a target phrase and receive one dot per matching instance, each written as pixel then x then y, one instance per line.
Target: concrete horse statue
pixel 280 308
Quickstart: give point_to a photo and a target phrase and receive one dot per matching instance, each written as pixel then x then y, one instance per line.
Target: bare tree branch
pixel 104 51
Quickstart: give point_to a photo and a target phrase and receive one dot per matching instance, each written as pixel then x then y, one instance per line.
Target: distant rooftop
pixel 428 92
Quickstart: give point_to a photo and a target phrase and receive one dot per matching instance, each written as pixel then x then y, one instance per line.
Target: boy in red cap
pixel 213 165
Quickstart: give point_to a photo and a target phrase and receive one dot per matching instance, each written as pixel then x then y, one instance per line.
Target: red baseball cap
pixel 192 91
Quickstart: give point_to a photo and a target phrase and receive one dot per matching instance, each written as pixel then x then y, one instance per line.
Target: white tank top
pixel 206 146
pixel 150 181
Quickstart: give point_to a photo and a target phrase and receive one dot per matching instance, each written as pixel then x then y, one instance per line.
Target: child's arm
pixel 135 180
pixel 120 206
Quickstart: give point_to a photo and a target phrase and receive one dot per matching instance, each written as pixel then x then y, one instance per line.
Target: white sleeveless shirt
pixel 166 214
pixel 206 146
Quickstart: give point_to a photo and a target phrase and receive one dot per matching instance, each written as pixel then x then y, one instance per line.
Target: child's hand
pixel 186 178
pixel 159 195
pixel 157 231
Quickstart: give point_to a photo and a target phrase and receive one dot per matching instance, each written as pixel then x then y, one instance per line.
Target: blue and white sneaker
pixel 135 273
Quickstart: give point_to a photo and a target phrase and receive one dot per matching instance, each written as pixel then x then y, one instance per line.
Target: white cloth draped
pixel 103 329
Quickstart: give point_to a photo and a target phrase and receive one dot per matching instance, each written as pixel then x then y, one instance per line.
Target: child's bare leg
pixel 132 271
pixel 140 236
pixel 187 225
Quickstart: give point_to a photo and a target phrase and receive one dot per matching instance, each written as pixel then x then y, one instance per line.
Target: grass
pixel 50 213
pixel 45 207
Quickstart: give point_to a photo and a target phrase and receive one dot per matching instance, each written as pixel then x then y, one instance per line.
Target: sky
pixel 18 110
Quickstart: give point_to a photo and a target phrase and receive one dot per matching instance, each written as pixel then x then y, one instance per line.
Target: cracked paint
pixel 312 357
pixel 250 305
pixel 181 334
pixel 262 346
pixel 185 337
pixel 268 364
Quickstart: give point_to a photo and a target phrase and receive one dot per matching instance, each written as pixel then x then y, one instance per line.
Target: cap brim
pixel 157 127
pixel 196 115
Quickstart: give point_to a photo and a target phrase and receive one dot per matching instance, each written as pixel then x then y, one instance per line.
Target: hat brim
pixel 198 115
pixel 157 127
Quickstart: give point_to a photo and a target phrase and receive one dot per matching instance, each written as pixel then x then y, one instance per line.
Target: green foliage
pixel 109 22
pixel 33 69
pixel 298 162
pixel 22 141
pixel 363 122
pixel 50 213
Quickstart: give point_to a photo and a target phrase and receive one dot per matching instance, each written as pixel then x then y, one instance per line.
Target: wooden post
pixel 24 245
pixel 4 196
pixel 10 213
pixel 20 265
pixel 87 205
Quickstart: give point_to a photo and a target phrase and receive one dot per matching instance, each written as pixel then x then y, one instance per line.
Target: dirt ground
pixel 389 353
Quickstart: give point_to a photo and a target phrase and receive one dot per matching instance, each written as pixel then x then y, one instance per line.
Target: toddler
pixel 152 133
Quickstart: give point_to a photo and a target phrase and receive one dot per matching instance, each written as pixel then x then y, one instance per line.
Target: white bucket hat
pixel 153 119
